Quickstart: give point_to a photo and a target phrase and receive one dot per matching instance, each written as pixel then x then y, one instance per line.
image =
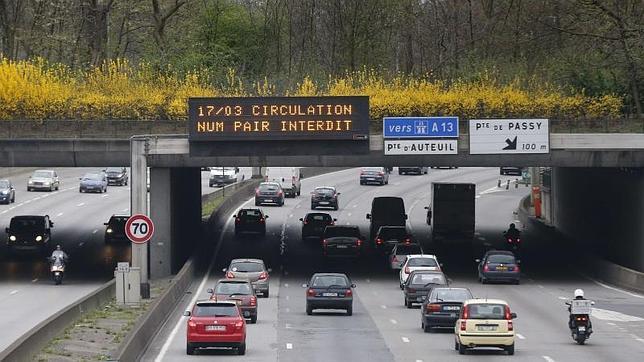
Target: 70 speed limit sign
pixel 139 228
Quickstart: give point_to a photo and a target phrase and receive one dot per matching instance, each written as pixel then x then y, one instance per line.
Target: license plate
pixel 451 307
pixel 246 314
pixel 324 202
pixel 215 328
pixel 268 200
pixel 342 246
pixel 329 294
pixel 501 268
pixel 370 179
pixel 453 315
pixel 486 328
pixel 582 329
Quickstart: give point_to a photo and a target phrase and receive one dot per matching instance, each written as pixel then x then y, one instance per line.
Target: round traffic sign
pixel 139 228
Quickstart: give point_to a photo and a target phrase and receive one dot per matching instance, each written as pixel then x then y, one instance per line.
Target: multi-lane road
pixel 27 295
pixel 382 328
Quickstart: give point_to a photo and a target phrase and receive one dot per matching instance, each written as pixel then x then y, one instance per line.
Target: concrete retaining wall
pixel 122 129
pixel 31 343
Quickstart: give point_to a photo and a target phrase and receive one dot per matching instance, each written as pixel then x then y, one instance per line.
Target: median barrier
pixel 33 341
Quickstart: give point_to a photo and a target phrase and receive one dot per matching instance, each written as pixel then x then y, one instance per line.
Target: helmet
pixel 579 293
pixel 58 247
pixel 512 226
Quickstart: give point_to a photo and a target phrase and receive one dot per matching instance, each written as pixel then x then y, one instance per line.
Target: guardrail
pixel 33 341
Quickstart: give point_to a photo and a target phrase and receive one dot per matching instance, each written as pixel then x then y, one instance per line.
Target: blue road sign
pixel 419 127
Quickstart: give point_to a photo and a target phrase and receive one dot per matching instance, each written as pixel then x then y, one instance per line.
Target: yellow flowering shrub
pixel 36 89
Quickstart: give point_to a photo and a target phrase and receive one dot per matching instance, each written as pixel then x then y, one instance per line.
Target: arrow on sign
pixel 512 145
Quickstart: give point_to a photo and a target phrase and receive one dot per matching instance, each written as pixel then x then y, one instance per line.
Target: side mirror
pixel 224 270
pixel 210 291
pixel 282 179
pixel 265 216
pixel 236 169
pixel 234 216
pixel 301 219
pixel 305 285
pixel 186 313
pixel 106 223
pixel 6 230
pixel 477 260
pixel 353 285
pixel 513 315
pixel 406 216
pixel 334 220
pixel 51 224
pixel 368 216
pixel 270 270
pixel 80 178
pixel 339 193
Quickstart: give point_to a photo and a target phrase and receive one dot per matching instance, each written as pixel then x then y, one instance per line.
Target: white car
pixel 417 262
pixel 400 251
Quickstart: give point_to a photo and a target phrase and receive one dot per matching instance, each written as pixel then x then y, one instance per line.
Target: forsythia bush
pixel 38 90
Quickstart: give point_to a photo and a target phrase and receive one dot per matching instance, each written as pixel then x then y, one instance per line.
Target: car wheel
pixel 407 304
pixel 241 350
pixel 309 310
pixel 312 207
pixel 399 172
pixel 361 183
pixel 256 203
pixel 28 189
pixel 350 311
pixel 517 282
pixel 335 208
pixel 461 349
pixel 51 188
pixel 510 349
pixel 427 328
pixel 190 350
pixel 80 190
pixel 455 345
pixel 266 294
pixel 253 319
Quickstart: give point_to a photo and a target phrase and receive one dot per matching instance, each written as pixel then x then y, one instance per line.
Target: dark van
pixel 386 211
pixel 29 233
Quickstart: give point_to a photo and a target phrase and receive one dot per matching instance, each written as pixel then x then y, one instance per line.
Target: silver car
pixel 253 270
pixel 43 180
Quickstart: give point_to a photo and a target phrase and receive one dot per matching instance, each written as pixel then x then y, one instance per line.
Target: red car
pixel 239 291
pixel 215 324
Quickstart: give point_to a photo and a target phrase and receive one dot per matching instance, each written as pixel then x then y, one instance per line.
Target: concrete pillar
pixel 161 213
pixel 259 172
pixel 139 205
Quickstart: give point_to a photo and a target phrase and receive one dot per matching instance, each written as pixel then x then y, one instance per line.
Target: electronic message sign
pixel 278 118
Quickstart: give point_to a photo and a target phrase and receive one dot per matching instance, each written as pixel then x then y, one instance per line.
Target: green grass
pixel 208 207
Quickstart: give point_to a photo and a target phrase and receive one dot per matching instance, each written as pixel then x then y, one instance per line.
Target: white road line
pixel 81 204
pixel 4 212
pixel 288 310
pixel 611 323
pixel 349 214
pixel 287 297
pixel 405 339
pixel 541 286
pixel 383 306
pixel 548 359
pixel 291 215
pixel 393 321
pixel 286 285
pixel 106 195
pixel 27 201
pixel 562 298
pixel 520 336
pixel 59 214
pixel 610 315
pixel 616 289
pixel 95 231
pixel 126 210
pixel 477 196
pixel 81 243
pixel 298 206
pixel 34 280
pixel 637 338
pixel 354 206
pixel 173 333
pixel 13 292
pixel 289 346
pixel 287 326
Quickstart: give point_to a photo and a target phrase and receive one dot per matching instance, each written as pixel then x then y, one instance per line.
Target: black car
pixel 442 307
pixel 29 233
pixel 314 223
pixel 342 241
pixel 329 291
pixel 115 229
pixel 419 284
pixel 269 193
pixel 250 220
pixel 324 196
pixel 507 170
pixel 499 266
pixel 388 236
pixel 7 192
pixel 117 176
pixel 408 170
pixel 377 175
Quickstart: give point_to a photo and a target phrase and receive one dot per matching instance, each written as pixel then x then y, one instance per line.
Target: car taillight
pixel 325 242
pixel 466 312
pixel 305 221
pixel 510 326
pixel 486 268
pixel 237 220
pixel 508 315
pixel 379 241
pixel 192 324
pixel 348 293
pixel 239 324
pixel 332 223
pixel 407 240
pixel 433 308
pixel 230 275
pixel 463 324
pixel 518 241
pixel 256 192
pixel 411 290
pixel 253 301
pixel 407 271
pixel 381 173
pixel 310 292
pixel 516 269
pixel 263 275
pixel 358 242
pixel 280 193
pixel 261 220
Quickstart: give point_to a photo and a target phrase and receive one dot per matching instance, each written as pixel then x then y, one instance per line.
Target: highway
pixel 381 328
pixel 27 294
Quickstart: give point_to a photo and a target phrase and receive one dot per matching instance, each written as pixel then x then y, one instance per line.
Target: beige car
pixel 485 323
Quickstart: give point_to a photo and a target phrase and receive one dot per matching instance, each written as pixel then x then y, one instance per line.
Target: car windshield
pixel 45 174
pixel 4 184
pixel 25 223
pixel 93 177
pixel 408 249
pixel 215 310
pixel 393 233
pixel 247 267
pixel 451 295
pixel 332 232
pixel 268 187
pixel 329 280
pixel 318 218
pixel 233 288
pixel 114 170
pixel 252 214
pixel 324 191
pixel 486 311
pixel 501 259
pixel 433 278
pixel 427 262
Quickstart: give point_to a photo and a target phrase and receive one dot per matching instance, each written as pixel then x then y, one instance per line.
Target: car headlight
pixel 38 238
pixel 109 230
pixel 12 238
pixel 31 182
pixel 4 192
pixel 46 182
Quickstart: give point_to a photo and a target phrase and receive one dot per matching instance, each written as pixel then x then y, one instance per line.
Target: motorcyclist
pixel 59 254
pixel 513 233
pixel 577 295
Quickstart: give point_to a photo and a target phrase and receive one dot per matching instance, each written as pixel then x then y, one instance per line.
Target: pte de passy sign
pixel 509 136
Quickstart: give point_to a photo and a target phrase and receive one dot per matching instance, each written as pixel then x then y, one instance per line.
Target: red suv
pixel 239 291
pixel 215 324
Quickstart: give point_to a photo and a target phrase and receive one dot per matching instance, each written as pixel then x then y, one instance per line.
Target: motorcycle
pixel 513 242
pixel 579 321
pixel 57 270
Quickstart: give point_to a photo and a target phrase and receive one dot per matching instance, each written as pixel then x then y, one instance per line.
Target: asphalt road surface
pixel 27 294
pixel 382 328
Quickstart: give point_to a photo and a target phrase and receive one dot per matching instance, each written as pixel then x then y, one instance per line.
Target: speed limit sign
pixel 139 228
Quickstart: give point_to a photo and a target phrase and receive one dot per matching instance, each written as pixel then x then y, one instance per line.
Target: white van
pixel 288 177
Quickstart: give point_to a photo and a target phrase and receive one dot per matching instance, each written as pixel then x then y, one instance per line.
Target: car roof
pixel 343 227
pixel 484 301
pixel 233 281
pixel 317 213
pixel 214 303
pixel 247 261
pixel 500 252
pixel 29 216
pixel 269 183
pixel 392 227
pixel 250 208
pixel 329 275
pixel 422 271
pixel 452 288
pixel 44 170
pixel 120 215
pixel 420 256
pixel 324 187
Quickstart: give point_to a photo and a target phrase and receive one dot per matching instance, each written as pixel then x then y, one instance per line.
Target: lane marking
pixel 81 204
pixel 106 195
pixel 291 215
pixel 616 289
pixel 610 315
pixel 95 231
pixel 383 306
pixel 287 326
pixel 611 323
pixel 562 298
pixel 13 292
pixel 477 196
pixel 288 310
pixel 181 321
pixel 289 346
pixel 354 206
pixel 287 297
pixel 34 280
pixel 637 338
pixel 541 286
pixel 405 339
pixel 298 206
pixel 393 321
pixel 548 359
pixel 4 212
pixel 59 214
pixel 126 210
pixel 349 214
pixel 520 336
pixel 286 285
